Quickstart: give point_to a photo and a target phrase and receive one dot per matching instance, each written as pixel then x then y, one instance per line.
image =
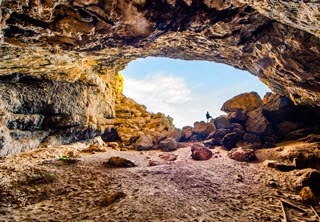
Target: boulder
pixel 239 116
pixel 252 139
pixel 208 143
pixel 186 133
pixel 238 129
pixel 199 132
pixel 203 129
pixel 169 144
pixel 242 154
pixel 197 138
pixel 257 123
pixel 200 152
pixel 279 109
pixel 244 101
pixel 222 122
pixel 210 136
pixel 230 140
pixel 144 142
pixel 218 136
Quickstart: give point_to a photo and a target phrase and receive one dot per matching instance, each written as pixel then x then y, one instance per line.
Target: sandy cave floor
pixel 219 189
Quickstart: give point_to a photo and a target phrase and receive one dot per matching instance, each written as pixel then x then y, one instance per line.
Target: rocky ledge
pixel 60 59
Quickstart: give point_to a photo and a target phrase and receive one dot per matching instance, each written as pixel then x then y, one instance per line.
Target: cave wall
pixel 41 111
pixel 60 59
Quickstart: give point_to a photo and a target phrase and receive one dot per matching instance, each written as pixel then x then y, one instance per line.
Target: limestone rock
pixel 306 177
pixel 153 163
pixel 222 122
pixel 199 132
pixel 119 162
pixel 257 123
pixel 209 144
pixel 200 152
pixel 76 49
pixel 218 136
pixel 238 116
pixel 278 109
pixel 145 142
pixel 186 133
pixel 113 145
pixel 244 101
pixel 242 154
pixel 238 129
pixel 135 123
pixel 168 156
pixel 169 144
pixel 94 148
pixel 230 141
pixel 302 156
pixel 253 139
pixel 203 128
pixel 266 97
pixel 285 167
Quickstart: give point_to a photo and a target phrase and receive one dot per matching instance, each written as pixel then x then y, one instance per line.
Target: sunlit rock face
pixel 61 58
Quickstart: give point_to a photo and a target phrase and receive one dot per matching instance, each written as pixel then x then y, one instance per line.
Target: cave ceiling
pixel 77 40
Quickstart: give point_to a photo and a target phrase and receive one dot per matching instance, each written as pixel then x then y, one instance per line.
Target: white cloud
pixel 170 95
pixel 160 93
pixel 158 88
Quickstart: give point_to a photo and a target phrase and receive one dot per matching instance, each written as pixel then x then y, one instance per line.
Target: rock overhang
pixel 278 42
pixel 86 43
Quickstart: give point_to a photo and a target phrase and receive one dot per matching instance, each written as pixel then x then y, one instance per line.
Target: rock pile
pixel 251 121
pixel 200 152
pixel 199 132
pixel 135 128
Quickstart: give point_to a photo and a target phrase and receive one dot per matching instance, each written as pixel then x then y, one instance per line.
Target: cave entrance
pixel 186 90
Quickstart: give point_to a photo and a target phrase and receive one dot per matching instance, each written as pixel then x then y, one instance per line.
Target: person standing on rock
pixel 208 116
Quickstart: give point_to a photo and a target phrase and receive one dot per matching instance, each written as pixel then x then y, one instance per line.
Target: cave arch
pixel 72 51
pixel 281 49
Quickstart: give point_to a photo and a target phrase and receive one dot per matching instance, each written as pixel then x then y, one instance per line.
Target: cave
pixel 61 102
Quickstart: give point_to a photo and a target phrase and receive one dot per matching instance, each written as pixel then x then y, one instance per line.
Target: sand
pixel 219 189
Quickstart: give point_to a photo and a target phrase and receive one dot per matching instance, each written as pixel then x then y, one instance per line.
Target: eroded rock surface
pixel 245 101
pixel 76 48
pixel 275 120
pixel 136 128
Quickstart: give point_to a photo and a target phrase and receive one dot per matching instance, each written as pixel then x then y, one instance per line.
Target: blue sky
pixel 186 90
